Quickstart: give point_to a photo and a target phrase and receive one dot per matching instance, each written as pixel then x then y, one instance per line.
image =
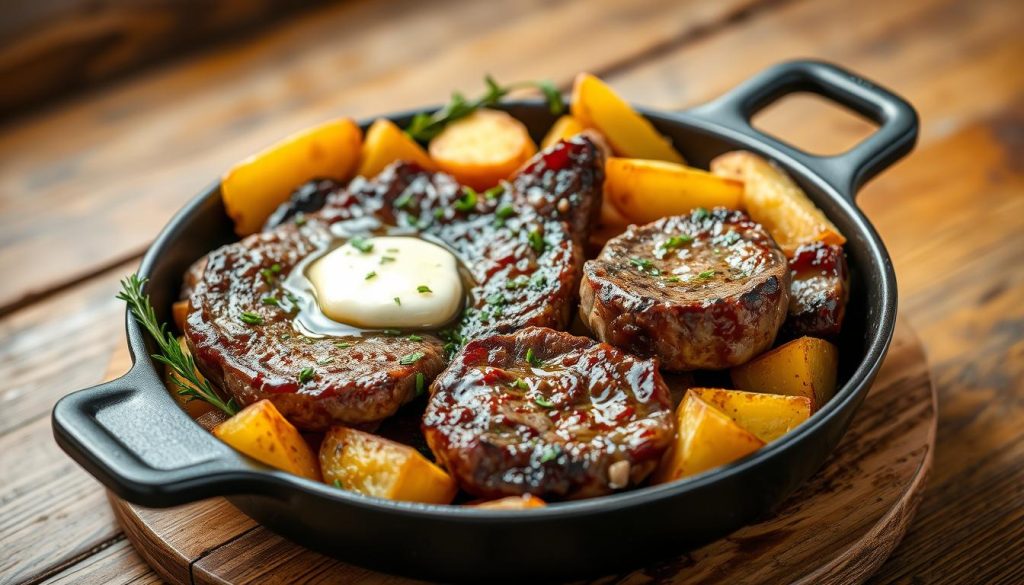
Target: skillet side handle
pixel 147 452
pixel 849 171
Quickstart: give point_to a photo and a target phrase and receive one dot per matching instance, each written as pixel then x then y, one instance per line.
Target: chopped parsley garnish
pixel 410 359
pixel 520 384
pixel 494 191
pixel 550 454
pixel 468 200
pixel 342 345
pixel 645 265
pixel 672 279
pixel 438 213
pixel 414 337
pixel 392 250
pixel 272 301
pixel 337 484
pixel 403 200
pixel 362 244
pixel 398 301
pixel 676 242
pixel 268 276
pixel 421 383
pixel 325 361
pixel 423 289
pixel 370 274
pixel 275 268
pixel 496 299
pixel 251 318
pixel 412 221
pixel 505 211
pixel 536 240
pixel 532 359
pixel 517 282
pixel 306 375
pixel 386 259
pixel 706 274
pixel 700 213
pixel 542 401
pixel 391 332
pixel 538 280
pixel 300 218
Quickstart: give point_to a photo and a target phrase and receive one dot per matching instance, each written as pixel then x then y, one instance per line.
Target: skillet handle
pixel 144 448
pixel 846 172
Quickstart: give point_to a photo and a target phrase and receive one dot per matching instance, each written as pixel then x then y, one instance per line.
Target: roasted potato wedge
pixel 384 144
pixel 483 148
pixel 563 128
pixel 803 367
pixel 647 190
pixel 512 503
pixel 597 106
pixel 705 438
pixel 179 311
pixel 254 187
pixel 776 202
pixel 767 416
pixel 375 466
pixel 261 432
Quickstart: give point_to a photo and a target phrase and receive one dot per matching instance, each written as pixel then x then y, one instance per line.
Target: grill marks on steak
pixel 820 289
pixel 517 284
pixel 703 291
pixel 587 420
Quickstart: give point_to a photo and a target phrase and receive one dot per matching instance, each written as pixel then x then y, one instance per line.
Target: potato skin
pixel 384 144
pixel 803 367
pixel 483 148
pixel 255 187
pixel 595 105
pixel 647 190
pixel 776 202
pixel 262 433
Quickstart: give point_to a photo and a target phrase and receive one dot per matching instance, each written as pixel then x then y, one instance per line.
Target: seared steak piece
pixel 523 248
pixel 548 413
pixel 820 289
pixel 703 291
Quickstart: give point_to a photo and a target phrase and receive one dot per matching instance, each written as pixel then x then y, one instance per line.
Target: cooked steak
pixel 548 413
pixel 820 289
pixel 704 291
pixel 523 248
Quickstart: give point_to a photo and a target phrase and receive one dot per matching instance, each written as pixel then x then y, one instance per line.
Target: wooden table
pixel 86 183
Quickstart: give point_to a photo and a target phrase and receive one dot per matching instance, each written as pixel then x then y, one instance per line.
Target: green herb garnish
pixel 391 332
pixel 494 192
pixel 337 484
pixel 403 200
pixel 676 242
pixel 421 383
pixel 700 213
pixel 370 274
pixel 520 384
pixel 550 454
pixel 342 345
pixel 306 375
pixel 410 359
pixel 362 244
pixel 423 289
pixel 672 279
pixel 300 218
pixel 250 318
pixel 426 126
pixel 645 265
pixel 542 401
pixel 532 359
pixel 386 259
pixel 536 240
pixel 468 200
pixel 414 337
pixel 438 213
pixel 272 301
pixel 398 301
pixel 706 274
pixel 171 354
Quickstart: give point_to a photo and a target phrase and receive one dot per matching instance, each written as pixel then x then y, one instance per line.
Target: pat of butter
pixel 398 282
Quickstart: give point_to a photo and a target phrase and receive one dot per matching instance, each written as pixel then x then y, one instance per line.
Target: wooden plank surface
pixel 85 186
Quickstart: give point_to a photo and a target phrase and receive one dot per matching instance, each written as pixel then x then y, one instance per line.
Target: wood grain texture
pixel 857 507
pixel 85 180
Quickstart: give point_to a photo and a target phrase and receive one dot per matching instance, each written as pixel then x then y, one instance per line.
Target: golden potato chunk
pixel 483 148
pixel 256 186
pixel 375 466
pixel 597 106
pixel 776 202
pixel 179 312
pixel 767 416
pixel 384 144
pixel 563 128
pixel 802 367
pixel 705 438
pixel 522 502
pixel 260 432
pixel 647 190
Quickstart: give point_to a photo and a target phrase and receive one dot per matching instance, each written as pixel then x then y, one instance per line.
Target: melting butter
pixel 388 282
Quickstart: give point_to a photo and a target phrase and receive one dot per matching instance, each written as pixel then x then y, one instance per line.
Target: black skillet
pixel 133 437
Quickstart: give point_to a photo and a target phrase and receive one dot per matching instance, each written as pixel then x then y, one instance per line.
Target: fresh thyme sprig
pixel 426 126
pixel 171 353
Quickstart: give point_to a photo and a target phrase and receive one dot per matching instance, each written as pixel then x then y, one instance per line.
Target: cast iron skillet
pixel 131 435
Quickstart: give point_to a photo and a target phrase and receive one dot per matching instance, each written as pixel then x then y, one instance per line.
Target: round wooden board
pixel 837 528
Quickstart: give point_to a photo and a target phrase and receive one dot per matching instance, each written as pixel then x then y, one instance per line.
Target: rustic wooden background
pixel 87 181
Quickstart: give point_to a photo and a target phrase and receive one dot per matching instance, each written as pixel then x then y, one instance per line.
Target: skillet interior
pixel 567 539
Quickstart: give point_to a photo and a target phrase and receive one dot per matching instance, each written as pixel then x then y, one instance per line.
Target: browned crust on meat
pixel 712 302
pixel 819 291
pixel 569 427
